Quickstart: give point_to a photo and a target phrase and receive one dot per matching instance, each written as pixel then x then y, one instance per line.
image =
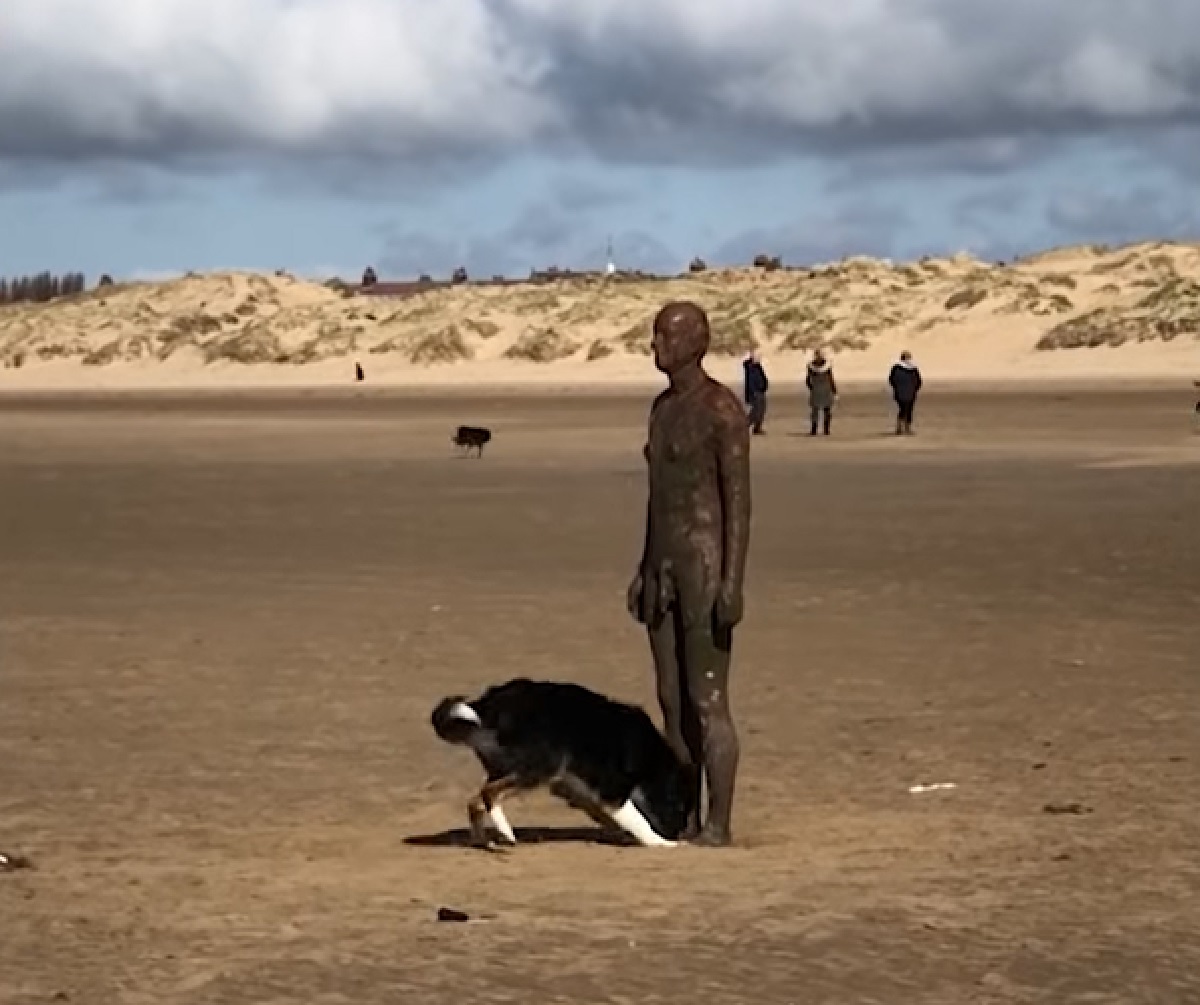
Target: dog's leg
pixel 629 818
pixel 501 822
pixel 486 806
pixel 477 814
pixel 579 797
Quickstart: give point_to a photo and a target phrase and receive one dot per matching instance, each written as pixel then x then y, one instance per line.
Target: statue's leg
pixel 706 661
pixel 680 719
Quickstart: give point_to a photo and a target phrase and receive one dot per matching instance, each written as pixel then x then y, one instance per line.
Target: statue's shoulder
pixel 724 404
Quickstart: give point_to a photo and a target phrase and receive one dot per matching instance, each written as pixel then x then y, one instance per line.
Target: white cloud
pixel 157 77
pixel 423 80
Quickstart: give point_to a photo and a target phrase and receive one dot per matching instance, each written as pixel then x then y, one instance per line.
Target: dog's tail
pixel 455 721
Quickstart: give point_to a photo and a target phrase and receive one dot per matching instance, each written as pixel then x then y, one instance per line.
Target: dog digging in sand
pixel 471 436
pixel 601 756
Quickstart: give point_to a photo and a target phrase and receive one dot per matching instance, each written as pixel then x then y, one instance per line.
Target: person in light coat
pixel 822 393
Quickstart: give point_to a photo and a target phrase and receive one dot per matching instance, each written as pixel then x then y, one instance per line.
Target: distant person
pixel 822 392
pixel 358 372
pixel 756 385
pixel 905 380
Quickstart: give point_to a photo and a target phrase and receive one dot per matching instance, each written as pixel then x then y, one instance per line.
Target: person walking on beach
pixel 756 384
pixel 905 380
pixel 822 393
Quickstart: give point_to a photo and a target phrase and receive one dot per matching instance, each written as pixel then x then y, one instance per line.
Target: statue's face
pixel 677 341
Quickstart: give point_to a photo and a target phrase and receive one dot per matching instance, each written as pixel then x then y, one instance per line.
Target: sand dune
pixel 1071 312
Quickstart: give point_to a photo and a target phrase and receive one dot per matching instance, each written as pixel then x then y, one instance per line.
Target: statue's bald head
pixel 681 334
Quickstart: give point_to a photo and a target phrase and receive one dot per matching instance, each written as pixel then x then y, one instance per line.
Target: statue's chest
pixel 679 438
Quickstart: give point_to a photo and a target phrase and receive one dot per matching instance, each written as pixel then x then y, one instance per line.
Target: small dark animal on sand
pixel 602 756
pixel 472 436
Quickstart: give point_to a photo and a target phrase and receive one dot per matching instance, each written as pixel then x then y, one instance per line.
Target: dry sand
pixel 224 621
pixel 1070 314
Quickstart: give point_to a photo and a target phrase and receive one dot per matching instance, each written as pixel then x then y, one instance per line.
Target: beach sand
pixel 225 618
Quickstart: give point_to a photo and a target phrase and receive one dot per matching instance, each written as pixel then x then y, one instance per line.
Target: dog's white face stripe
pixel 629 818
pixel 461 710
pixel 501 822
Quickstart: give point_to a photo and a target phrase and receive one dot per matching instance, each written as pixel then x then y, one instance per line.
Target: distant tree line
pixel 41 288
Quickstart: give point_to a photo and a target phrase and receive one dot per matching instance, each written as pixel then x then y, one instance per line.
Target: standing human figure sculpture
pixel 688 587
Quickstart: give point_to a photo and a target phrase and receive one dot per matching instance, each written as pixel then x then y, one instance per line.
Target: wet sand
pixel 224 620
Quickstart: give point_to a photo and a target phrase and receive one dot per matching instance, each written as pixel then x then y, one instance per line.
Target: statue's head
pixel 681 336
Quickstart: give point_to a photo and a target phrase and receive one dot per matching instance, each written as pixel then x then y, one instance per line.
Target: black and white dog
pixel 601 756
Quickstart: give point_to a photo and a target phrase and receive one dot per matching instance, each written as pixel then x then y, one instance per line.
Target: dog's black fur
pixel 593 752
pixel 472 436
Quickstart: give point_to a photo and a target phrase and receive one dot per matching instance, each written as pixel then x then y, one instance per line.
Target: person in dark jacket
pixel 756 385
pixel 822 392
pixel 905 380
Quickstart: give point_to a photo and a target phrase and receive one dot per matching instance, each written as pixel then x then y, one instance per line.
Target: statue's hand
pixel 727 612
pixel 633 596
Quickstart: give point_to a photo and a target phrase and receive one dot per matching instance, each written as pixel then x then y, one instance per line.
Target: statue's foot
pixel 713 837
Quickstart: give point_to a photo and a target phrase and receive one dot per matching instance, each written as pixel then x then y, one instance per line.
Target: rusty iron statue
pixel 688 587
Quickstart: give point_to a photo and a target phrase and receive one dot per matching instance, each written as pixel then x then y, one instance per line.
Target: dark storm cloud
pixel 681 81
pixel 580 195
pixel 540 227
pixel 988 203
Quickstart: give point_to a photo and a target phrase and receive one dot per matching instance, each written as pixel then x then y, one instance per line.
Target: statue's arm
pixel 634 595
pixel 733 465
pixel 646 457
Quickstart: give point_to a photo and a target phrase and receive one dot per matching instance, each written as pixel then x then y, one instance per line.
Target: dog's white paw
pixel 500 821
pixel 629 818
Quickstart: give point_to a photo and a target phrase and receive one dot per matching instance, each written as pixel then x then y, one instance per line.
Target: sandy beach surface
pixel 225 618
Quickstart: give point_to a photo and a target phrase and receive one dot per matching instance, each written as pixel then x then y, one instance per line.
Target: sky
pixel 143 138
